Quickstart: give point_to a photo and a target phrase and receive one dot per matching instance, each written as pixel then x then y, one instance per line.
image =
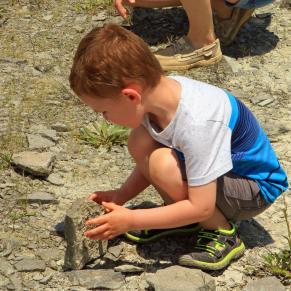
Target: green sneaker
pixel 214 249
pixel 146 236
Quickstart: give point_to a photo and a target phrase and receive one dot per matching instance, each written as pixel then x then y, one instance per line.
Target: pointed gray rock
pixel 80 249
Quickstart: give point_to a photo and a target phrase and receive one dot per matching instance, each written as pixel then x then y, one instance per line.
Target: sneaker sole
pixel 180 231
pixel 230 38
pixel 236 253
pixel 202 63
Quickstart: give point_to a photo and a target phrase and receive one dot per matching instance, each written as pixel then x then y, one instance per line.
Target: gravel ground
pixel 38 40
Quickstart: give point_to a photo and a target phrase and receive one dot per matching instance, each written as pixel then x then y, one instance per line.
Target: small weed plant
pixel 279 263
pixel 19 213
pixel 105 134
pixel 5 161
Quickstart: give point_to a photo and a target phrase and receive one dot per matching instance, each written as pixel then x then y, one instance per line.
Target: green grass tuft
pixel 279 263
pixel 5 161
pixel 105 134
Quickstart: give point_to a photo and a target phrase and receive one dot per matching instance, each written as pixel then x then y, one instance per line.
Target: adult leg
pixel 231 15
pixel 156 3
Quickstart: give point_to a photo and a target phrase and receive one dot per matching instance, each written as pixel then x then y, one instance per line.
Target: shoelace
pixel 205 238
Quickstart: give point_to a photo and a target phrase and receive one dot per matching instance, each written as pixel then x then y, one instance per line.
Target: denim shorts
pixel 249 4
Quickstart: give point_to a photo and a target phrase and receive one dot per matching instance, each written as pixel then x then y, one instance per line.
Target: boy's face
pixel 122 110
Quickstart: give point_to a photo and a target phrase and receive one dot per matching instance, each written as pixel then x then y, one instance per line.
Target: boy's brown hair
pixel 108 59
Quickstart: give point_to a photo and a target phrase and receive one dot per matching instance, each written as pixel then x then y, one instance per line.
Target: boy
pixel 200 147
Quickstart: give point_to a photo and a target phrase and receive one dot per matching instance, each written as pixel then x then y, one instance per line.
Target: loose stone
pixel 38 164
pixel 172 278
pixel 265 284
pixel 97 279
pixel 128 269
pixel 80 249
pixel 30 265
pixel 40 197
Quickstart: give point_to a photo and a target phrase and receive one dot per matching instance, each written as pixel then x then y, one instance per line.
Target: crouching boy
pixel 201 148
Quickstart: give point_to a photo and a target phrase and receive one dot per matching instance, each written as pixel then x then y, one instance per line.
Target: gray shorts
pixel 249 4
pixel 237 197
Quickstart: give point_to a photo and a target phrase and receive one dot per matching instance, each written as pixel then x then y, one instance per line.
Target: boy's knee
pixel 140 143
pixel 161 163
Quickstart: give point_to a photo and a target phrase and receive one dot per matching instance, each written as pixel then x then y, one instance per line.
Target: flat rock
pixel 80 249
pixel 55 179
pixel 128 269
pixel 265 284
pixel 38 142
pixel 3 281
pixel 60 127
pixel 39 197
pixel 30 265
pixel 51 254
pixel 44 132
pixel 5 267
pixel 104 279
pixel 174 277
pixel 37 164
pixel 234 65
pixel 16 281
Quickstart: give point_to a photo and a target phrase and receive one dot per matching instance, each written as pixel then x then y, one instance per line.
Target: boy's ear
pixel 133 92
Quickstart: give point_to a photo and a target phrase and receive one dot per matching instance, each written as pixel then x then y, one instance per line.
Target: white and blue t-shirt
pixel 217 133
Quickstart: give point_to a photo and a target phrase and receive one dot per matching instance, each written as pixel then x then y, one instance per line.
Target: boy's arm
pixel 133 185
pixel 199 207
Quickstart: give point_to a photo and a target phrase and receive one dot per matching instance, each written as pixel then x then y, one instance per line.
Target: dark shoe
pixel 226 30
pixel 181 55
pixel 145 236
pixel 214 249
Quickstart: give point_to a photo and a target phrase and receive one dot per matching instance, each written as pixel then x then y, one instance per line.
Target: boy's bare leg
pixel 161 167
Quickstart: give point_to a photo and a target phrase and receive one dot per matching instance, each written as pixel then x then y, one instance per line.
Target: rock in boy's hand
pixel 120 7
pixel 115 222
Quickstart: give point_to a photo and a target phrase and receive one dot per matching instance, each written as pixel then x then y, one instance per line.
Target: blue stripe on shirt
pixel 252 154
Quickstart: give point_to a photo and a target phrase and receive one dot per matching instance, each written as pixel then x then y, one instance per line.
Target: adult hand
pixel 120 7
pixel 115 222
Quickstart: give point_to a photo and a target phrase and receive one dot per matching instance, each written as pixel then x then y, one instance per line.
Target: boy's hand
pixel 120 7
pixel 115 222
pixel 107 196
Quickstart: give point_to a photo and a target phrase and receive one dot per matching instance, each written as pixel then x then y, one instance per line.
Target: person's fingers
pixel 96 232
pixel 93 197
pixel 120 8
pixel 110 206
pixel 97 220
pixel 104 236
